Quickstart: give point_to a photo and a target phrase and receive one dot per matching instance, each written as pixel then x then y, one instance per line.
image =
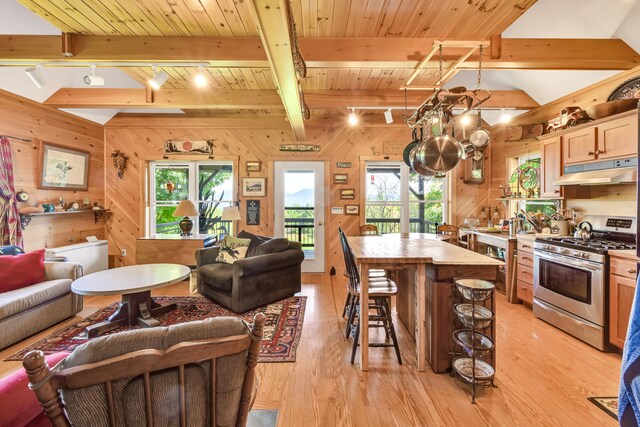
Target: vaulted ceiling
pixel 358 53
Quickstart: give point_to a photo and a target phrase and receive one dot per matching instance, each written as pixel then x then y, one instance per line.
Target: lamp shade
pixel 186 208
pixel 230 213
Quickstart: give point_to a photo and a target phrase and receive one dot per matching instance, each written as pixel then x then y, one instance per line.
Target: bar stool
pixel 379 296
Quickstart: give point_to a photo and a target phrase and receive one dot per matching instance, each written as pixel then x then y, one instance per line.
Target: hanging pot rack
pixel 445 100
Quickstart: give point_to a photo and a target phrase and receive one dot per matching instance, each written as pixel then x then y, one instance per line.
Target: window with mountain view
pixel 208 184
pixel 394 192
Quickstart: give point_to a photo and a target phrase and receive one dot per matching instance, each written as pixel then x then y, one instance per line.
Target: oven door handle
pixel 569 261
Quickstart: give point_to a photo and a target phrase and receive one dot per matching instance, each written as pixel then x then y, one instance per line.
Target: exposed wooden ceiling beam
pixel 272 20
pixel 353 52
pixel 583 98
pixel 259 99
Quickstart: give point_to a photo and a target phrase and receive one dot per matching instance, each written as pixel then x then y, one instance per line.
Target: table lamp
pixel 186 208
pixel 230 213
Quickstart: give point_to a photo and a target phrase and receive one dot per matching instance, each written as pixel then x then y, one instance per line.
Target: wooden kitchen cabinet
pixel 579 146
pixel 524 271
pixel 551 166
pixel 617 139
pixel 622 287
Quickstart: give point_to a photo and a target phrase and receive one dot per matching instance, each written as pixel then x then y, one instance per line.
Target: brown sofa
pixel 271 271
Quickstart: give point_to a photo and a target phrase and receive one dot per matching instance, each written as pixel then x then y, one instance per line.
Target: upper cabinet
pixel 579 146
pixel 606 139
pixel 617 139
pixel 550 166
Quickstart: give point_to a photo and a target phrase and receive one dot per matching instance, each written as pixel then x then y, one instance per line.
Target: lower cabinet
pixel 524 284
pixel 622 287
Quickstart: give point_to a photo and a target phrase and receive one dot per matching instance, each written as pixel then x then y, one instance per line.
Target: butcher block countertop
pixel 415 249
pixel 627 254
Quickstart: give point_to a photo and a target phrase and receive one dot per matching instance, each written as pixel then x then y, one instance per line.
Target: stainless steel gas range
pixel 571 278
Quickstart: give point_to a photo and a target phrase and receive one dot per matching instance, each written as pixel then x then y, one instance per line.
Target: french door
pixel 299 209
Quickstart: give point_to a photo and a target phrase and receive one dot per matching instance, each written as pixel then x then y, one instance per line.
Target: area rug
pixel 607 404
pixel 282 328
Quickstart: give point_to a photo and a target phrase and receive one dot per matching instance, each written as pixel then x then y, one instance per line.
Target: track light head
pixel 388 117
pixel 504 117
pixel 158 79
pixel 200 79
pixel 36 76
pixel 353 119
pixel 465 120
pixel 92 79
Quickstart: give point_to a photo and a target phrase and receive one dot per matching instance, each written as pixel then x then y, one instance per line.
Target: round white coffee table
pixel 134 283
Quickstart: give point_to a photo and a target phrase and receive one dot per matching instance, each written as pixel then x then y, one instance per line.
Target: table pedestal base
pixel 134 309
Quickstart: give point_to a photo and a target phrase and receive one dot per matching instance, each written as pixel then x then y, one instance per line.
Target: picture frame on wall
pixel 254 187
pixel 340 178
pixel 352 209
pixel 63 168
pixel 348 194
pixel 254 165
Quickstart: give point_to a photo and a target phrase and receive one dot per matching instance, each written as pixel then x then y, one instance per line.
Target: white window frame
pixel 404 192
pixel 193 168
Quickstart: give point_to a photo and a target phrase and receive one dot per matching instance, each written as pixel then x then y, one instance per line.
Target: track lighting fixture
pixel 200 80
pixel 92 79
pixel 36 76
pixel 465 120
pixel 353 119
pixel 158 79
pixel 388 117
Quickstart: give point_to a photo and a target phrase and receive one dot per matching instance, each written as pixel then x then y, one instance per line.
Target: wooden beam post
pixel 496 46
pixel 68 45
pixel 272 21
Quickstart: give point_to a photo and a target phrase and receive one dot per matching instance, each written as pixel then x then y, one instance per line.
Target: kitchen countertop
pixel 498 235
pixel 627 254
pixel 414 250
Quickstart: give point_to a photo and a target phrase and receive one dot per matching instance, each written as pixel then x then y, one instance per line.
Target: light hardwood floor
pixel 543 375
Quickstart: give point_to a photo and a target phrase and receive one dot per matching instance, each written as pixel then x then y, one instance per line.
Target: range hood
pixel 600 177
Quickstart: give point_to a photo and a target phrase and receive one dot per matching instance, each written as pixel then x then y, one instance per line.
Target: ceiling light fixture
pixel 353 119
pixel 505 117
pixel 200 80
pixel 158 79
pixel 36 76
pixel 92 79
pixel 388 117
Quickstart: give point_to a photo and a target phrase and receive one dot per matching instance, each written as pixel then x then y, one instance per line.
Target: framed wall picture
pixel 254 165
pixel 254 187
pixel 348 194
pixel 340 178
pixel 63 168
pixel 352 209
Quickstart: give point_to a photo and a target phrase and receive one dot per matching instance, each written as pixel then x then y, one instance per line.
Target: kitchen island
pixel 425 268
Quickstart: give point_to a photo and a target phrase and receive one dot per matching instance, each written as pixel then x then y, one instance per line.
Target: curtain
pixel 10 231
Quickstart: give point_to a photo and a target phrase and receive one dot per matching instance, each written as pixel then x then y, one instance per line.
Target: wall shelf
pixel 505 200
pixel 25 219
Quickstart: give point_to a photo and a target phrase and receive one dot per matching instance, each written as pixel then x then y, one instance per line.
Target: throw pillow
pixel 255 241
pixel 22 270
pixel 277 244
pixel 232 249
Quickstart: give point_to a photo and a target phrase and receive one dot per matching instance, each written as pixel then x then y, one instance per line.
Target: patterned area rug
pixel 282 328
pixel 607 404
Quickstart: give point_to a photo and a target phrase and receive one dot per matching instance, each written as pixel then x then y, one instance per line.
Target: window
pixel 393 192
pixel 545 206
pixel 208 184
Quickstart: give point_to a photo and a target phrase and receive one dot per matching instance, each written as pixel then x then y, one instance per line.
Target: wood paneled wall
pixel 27 119
pixel 126 197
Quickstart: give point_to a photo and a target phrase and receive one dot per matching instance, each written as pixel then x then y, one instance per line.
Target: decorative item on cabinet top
pixel 174 147
pixel 120 162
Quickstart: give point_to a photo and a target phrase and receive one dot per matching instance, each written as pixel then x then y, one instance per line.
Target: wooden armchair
pixel 449 230
pixel 191 374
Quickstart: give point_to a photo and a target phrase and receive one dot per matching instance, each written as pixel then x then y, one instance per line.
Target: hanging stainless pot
pixel 439 153
pixel 409 147
pixel 480 137
pixel 416 165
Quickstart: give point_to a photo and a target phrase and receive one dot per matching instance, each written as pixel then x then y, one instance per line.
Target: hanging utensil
pixel 409 147
pixel 416 165
pixel 439 153
pixel 468 150
pixel 480 138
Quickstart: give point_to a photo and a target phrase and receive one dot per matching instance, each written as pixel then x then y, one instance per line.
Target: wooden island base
pixel 440 298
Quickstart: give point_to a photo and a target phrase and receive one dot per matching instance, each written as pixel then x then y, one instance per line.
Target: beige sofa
pixel 29 310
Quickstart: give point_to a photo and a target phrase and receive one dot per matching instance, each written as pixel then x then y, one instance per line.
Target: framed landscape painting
pixel 63 168
pixel 253 187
